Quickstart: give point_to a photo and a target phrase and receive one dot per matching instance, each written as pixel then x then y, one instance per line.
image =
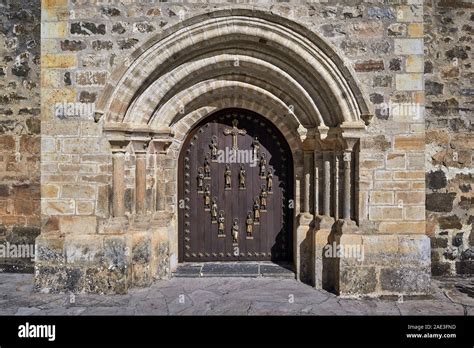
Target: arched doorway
pixel 235 185
pixel 279 70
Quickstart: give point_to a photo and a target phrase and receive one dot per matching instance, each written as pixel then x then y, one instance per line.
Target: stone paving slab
pixel 230 296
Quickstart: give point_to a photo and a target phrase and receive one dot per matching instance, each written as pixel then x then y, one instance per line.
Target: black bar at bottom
pixel 193 331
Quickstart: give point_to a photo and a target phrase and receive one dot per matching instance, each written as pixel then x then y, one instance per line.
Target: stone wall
pixel 449 137
pixel 84 42
pixel 19 130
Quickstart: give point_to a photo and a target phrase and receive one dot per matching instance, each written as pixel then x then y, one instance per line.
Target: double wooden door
pixel 235 190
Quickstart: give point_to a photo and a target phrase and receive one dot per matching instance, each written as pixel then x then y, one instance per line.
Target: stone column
pixel 337 155
pixel 316 184
pixel 140 183
pixel 118 189
pixel 327 183
pixel 307 182
pixel 140 148
pixel 160 193
pixel 347 185
pixel 346 224
pixel 119 148
pixel 161 149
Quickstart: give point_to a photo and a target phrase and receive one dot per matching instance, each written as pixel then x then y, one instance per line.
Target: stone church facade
pixel 127 87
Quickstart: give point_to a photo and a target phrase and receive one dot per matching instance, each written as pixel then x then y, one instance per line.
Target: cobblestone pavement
pixel 227 296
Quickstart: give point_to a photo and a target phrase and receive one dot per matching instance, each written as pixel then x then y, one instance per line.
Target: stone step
pixel 234 269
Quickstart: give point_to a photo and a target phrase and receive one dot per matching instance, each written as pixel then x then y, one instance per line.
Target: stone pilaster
pixel 161 149
pixel 118 175
pixel 316 183
pixel 347 185
pixel 337 161
pixel 140 148
pixel 327 183
pixel 307 182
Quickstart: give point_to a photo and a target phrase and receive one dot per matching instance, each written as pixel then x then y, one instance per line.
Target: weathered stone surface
pixel 238 296
pixel 449 132
pixel 449 222
pixel 87 97
pixel 440 202
pixel 87 28
pixel 91 78
pixel 397 29
pixel 436 180
pixel 439 242
pixel 409 280
pixel 395 64
pixel 377 40
pixel 127 43
pixel 382 81
pixel 19 128
pixel 50 248
pixel 56 279
pixel 370 65
pixel 433 88
pixel 72 45
pixel 409 82
pixel 457 52
pixel 101 280
pixel 356 280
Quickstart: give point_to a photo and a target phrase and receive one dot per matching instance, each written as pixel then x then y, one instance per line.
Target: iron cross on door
pixel 235 132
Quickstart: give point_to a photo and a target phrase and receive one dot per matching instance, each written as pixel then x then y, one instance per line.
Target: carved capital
pixel 161 146
pixel 303 132
pixel 327 145
pixel 140 145
pixel 367 118
pixel 354 129
pixel 349 144
pixel 323 132
pixel 119 145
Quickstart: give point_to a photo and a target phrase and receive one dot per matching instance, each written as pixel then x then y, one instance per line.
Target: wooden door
pixel 235 190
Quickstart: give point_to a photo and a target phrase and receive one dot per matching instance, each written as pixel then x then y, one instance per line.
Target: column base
pixel 347 226
pixel 141 221
pixel 117 225
pixel 305 219
pixel 302 246
pixel 324 222
pixel 370 264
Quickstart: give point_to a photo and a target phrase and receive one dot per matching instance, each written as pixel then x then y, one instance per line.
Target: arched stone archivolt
pixel 212 89
pixel 222 67
pixel 184 124
pixel 240 59
pixel 311 55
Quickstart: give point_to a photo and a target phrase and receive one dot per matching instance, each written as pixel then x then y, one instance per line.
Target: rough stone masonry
pixel 19 129
pixel 89 48
pixel 449 138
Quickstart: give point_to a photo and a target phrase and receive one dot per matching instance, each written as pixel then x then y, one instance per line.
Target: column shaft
pixel 160 193
pixel 327 184
pixel 316 186
pixel 140 183
pixel 307 182
pixel 336 184
pixel 347 185
pixel 118 200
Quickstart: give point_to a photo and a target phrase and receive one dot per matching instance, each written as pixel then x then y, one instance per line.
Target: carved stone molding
pixel 161 146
